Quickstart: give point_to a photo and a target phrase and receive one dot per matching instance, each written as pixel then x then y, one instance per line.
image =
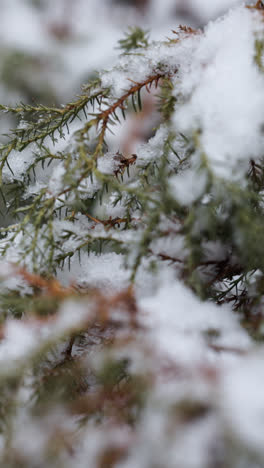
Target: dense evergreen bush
pixel 132 272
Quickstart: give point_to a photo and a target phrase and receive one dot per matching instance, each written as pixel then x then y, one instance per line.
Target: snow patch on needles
pixel 18 162
pixel 179 323
pixel 153 150
pixel 20 340
pixel 108 164
pixel 224 92
pixel 104 271
pixel 163 58
pixel 188 186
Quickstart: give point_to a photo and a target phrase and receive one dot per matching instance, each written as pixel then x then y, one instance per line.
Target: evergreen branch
pixel 105 115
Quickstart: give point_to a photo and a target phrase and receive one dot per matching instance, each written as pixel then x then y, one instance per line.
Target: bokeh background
pixel 49 48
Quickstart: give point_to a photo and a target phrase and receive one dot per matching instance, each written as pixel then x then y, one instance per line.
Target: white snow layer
pixel 223 88
pixel 179 323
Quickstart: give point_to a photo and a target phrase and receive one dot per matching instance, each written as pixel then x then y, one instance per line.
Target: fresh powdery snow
pixel 104 271
pixel 178 324
pixel 186 187
pixel 221 75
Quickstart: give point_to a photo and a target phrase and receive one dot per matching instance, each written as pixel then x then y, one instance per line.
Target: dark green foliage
pixel 136 38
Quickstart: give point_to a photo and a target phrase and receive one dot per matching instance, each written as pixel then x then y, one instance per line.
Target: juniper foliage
pixel 80 364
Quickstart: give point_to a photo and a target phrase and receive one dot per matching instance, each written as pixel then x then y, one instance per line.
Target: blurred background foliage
pixel 49 49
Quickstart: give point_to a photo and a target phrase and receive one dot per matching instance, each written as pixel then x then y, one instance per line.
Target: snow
pixel 188 186
pixel 170 246
pixel 108 164
pixel 242 402
pixel 19 163
pixel 105 271
pixel 221 74
pixel 153 150
pixel 159 57
pixel 202 370
pixel 18 343
pixel 56 180
pixel 71 316
pixel 178 323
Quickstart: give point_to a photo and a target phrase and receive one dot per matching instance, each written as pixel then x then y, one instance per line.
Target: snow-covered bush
pixel 132 257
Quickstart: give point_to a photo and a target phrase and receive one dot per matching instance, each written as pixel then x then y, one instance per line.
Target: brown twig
pixel 119 104
pixel 258 6
pixel 51 286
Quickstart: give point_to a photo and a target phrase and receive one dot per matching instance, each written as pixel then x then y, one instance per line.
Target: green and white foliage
pixel 132 272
